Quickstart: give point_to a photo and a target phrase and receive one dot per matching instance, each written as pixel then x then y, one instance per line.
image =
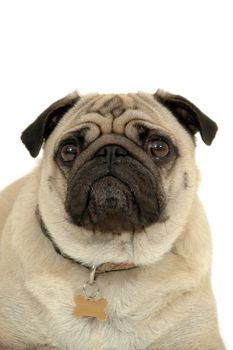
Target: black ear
pixel 37 132
pixel 188 115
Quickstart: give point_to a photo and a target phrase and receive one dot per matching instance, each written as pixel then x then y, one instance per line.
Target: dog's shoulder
pixel 8 197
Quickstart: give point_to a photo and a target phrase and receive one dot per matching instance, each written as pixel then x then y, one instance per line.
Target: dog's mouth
pixel 111 206
pixel 121 196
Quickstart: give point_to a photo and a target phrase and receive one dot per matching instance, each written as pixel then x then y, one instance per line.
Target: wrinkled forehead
pixel 117 113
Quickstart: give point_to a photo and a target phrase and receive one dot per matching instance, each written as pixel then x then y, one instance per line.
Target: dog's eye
pixel 158 148
pixel 69 152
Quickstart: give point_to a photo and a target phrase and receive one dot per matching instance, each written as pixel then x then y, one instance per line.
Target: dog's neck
pixel 105 267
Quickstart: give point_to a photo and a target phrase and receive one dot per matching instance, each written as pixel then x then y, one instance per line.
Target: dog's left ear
pixel 188 115
pixel 38 132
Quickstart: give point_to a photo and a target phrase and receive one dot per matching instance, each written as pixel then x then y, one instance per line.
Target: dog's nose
pixel 111 152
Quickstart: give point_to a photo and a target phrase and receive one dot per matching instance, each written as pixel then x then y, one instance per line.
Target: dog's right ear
pixel 192 119
pixel 38 132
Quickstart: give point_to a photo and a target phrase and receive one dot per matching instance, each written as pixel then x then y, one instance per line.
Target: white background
pixel 49 48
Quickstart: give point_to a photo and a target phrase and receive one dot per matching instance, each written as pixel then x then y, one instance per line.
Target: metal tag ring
pixel 91 290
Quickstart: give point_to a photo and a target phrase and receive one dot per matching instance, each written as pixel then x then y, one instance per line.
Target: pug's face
pixel 118 174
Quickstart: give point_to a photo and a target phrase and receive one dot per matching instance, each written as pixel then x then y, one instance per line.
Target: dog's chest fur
pixel 138 312
pixel 131 322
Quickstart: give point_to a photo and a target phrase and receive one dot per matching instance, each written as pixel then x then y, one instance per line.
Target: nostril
pixel 120 151
pixel 110 152
pixel 102 152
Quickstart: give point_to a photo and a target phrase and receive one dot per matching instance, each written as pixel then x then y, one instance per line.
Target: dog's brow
pixel 81 132
pixel 141 127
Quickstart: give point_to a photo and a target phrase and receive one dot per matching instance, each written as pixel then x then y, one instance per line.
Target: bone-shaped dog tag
pixel 90 307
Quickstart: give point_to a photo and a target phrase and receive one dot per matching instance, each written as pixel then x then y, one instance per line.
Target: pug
pixel 105 244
